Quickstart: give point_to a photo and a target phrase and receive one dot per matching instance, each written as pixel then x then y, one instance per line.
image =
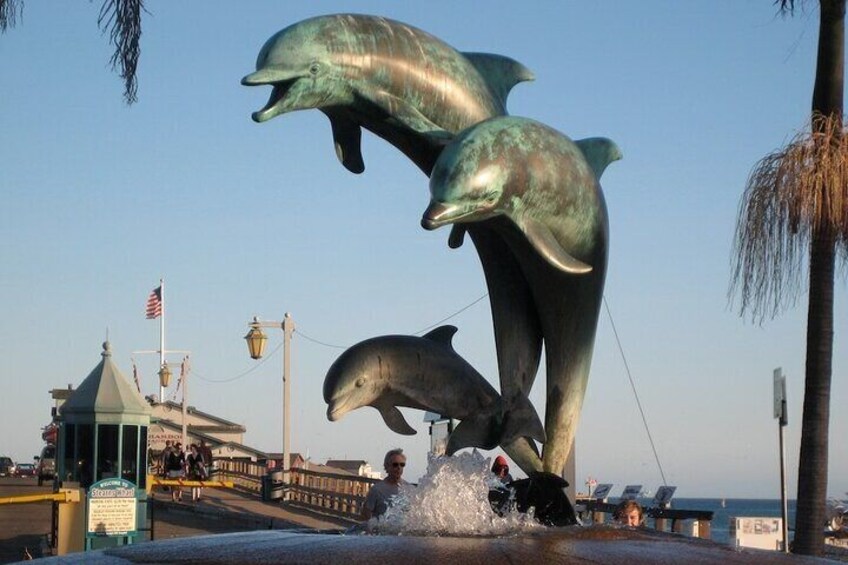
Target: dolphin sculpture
pixel 416 92
pixel 397 81
pixel 539 191
pixel 424 373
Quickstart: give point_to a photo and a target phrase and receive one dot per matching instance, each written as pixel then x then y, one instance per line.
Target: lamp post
pixel 256 340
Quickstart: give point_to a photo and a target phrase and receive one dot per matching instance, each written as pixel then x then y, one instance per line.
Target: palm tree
pixel 796 201
pixel 122 18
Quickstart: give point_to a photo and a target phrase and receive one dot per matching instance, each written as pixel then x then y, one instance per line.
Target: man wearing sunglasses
pixel 380 496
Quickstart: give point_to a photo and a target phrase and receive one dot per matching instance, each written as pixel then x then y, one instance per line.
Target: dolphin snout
pixel 438 214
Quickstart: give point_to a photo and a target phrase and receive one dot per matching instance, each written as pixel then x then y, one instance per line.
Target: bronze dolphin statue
pixel 539 190
pixel 401 83
pixel 391 78
pixel 424 373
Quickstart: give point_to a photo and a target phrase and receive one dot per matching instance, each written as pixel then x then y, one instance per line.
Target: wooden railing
pixel 330 493
pixel 343 495
pixel 340 495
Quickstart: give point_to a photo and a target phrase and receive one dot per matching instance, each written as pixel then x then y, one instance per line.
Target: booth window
pixel 68 467
pixel 85 456
pixel 107 451
pixel 129 454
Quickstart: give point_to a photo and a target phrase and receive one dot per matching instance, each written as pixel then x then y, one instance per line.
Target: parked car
pixel 46 466
pixel 7 467
pixel 25 470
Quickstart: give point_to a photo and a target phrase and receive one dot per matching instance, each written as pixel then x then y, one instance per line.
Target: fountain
pixel 530 200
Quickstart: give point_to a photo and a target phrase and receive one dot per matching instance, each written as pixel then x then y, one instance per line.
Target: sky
pixel 99 200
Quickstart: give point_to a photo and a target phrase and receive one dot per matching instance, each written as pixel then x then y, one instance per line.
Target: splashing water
pixel 451 500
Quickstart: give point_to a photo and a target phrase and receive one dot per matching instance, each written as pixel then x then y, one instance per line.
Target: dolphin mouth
pixel 336 410
pixel 439 214
pixel 278 94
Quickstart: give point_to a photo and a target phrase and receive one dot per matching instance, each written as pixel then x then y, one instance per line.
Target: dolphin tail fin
pixel 473 432
pixel 599 152
pixel 501 73
pixel 521 420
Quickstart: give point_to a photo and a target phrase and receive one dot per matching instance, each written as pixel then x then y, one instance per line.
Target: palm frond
pixel 792 195
pixel 122 19
pixel 10 11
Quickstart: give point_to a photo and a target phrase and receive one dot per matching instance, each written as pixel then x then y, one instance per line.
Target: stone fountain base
pixel 593 544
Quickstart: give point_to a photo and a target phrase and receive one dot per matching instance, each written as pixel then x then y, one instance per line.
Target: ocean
pixel 733 507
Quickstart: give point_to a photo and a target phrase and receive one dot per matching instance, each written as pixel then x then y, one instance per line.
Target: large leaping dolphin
pixel 395 80
pixel 425 373
pixel 540 192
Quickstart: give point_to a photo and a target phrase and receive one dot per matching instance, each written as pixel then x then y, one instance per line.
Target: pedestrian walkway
pixel 233 504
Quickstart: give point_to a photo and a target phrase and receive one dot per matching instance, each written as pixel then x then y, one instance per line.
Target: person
pixel 195 470
pixel 629 513
pixel 174 468
pixel 206 452
pixel 381 493
pixel 163 458
pixel 501 469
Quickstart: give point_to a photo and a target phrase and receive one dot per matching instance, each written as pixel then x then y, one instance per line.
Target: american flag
pixel 154 303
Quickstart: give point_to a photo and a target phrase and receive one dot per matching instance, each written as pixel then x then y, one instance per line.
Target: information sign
pixel 112 507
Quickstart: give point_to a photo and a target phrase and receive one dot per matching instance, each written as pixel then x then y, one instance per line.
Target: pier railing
pixel 343 495
pixel 331 493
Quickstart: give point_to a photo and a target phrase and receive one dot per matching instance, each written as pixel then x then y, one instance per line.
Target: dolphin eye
pixel 314 68
pixel 360 382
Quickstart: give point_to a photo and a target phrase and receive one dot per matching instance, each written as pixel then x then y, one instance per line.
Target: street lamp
pixel 256 340
pixel 164 377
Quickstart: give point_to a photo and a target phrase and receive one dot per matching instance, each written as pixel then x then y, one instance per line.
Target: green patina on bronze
pixel 397 81
pixel 546 188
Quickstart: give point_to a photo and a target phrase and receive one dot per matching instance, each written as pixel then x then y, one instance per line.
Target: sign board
pixel 112 507
pixel 780 396
pixel 663 496
pixel 157 436
pixel 602 491
pixel 631 492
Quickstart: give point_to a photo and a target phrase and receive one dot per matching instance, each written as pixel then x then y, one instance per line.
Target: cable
pixel 244 374
pixel 304 336
pixel 457 313
pixel 635 394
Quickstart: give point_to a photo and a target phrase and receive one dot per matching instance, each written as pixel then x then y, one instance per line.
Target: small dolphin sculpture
pixel 399 82
pixel 425 373
pixel 539 191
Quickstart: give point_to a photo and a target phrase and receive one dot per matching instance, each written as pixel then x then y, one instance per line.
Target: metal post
pixel 782 420
pixel 162 336
pixel 288 328
pixel 184 376
pixel 784 510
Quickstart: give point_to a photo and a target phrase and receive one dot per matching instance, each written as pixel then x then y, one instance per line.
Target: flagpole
pixel 162 337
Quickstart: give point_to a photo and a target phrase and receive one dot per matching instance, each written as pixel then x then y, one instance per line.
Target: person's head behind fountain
pixel 394 463
pixel 381 494
pixel 629 513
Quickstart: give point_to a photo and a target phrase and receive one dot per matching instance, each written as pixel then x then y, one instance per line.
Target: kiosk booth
pixel 102 451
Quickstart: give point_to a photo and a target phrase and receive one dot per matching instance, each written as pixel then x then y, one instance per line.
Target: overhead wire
pixel 635 394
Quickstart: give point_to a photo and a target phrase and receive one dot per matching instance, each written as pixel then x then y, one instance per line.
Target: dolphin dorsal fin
pixel 442 334
pixel 501 73
pixel 599 152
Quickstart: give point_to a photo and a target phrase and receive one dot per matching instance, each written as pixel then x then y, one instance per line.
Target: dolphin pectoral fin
pixel 347 138
pixel 395 420
pixel 472 432
pixel 501 73
pixel 409 116
pixel 599 152
pixel 544 242
pixel 521 420
pixel 457 236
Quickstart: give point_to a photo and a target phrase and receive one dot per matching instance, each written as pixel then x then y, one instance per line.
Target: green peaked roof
pixel 105 391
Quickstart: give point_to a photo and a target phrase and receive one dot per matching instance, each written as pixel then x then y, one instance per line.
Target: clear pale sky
pixel 99 200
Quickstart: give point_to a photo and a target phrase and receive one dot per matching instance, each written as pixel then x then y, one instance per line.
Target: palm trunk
pixel 812 467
